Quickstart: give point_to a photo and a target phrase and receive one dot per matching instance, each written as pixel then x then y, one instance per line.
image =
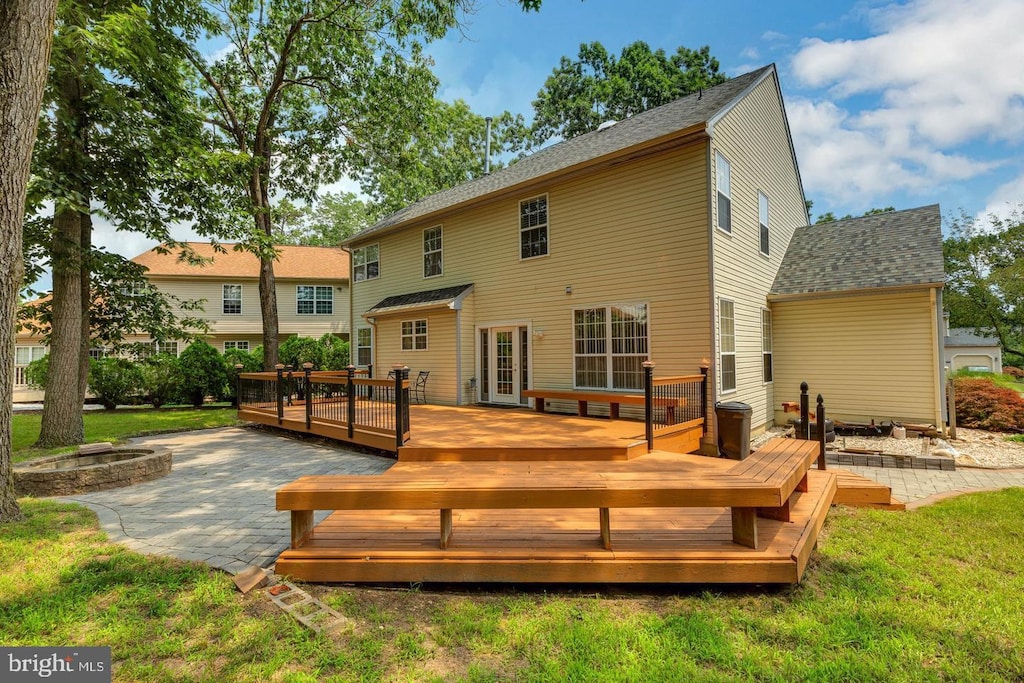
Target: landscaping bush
pixel 114 381
pixel 249 363
pixel 982 404
pixel 161 379
pixel 35 372
pixel 335 355
pixel 1010 370
pixel 298 350
pixel 202 373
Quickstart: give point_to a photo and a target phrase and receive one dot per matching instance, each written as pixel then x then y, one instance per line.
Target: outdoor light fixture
pixel 538 334
pixel 568 289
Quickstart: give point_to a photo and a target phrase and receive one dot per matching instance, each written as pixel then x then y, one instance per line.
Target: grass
pixel 118 425
pixel 930 595
pixel 1000 379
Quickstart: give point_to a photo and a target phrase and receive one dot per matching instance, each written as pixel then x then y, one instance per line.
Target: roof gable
pixel 882 251
pixel 293 262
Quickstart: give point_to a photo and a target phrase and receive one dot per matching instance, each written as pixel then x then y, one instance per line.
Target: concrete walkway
pixel 217 504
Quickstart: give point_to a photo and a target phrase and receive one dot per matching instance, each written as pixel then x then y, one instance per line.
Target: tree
pixel 581 94
pixel 26 33
pixel 202 373
pixel 332 218
pixel 984 261
pixel 829 216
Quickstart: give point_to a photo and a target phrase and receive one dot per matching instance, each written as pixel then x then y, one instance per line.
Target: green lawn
pixel 118 425
pixel 931 595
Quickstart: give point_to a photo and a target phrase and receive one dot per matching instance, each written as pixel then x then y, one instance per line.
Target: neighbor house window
pixel 762 218
pixel 610 345
pixel 766 345
pixel 232 300
pixel 533 227
pixel 170 347
pixel 364 346
pixel 727 343
pixel 414 335
pixel 136 289
pixel 314 300
pixel 240 345
pixel 366 262
pixel 23 355
pixel 432 252
pixel 724 193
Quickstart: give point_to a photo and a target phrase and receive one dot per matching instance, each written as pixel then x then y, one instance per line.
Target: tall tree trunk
pixel 86 306
pixel 260 195
pixel 26 33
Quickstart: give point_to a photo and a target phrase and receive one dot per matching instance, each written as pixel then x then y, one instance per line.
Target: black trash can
pixel 733 429
pixel 830 429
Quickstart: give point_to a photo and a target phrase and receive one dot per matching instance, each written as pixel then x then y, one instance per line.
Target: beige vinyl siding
pixel 753 137
pixel 866 355
pixel 438 358
pixel 636 233
pixel 467 339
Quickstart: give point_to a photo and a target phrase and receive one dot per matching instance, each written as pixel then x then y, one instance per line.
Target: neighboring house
pixel 312 298
pixel 659 236
pixel 966 348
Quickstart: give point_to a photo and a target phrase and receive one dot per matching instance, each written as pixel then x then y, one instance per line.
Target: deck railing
pixel 336 398
pixel 671 402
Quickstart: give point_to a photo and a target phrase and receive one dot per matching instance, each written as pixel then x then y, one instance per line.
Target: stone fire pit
pixel 95 467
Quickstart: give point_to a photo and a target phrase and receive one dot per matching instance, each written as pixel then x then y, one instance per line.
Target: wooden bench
pixel 583 398
pixel 762 484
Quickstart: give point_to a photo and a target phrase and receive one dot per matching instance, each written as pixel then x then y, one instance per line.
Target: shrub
pixel 114 381
pixel 202 373
pixel 982 404
pixel 335 353
pixel 298 350
pixel 249 363
pixel 36 371
pixel 161 379
pixel 1010 370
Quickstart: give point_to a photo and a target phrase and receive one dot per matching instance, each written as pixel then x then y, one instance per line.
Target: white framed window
pixel 414 335
pixel 432 254
pixel 366 263
pixel 242 345
pixel 314 300
pixel 97 352
pixel 170 347
pixel 610 344
pixel 23 355
pixel 364 346
pixel 768 374
pixel 533 227
pixel 724 186
pixel 727 343
pixel 136 289
pixel 232 300
pixel 762 219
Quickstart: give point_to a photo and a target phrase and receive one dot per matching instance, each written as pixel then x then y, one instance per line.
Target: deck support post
pixel 744 526
pixel 606 529
pixel 446 528
pixel 302 527
pixel 783 513
pixel 822 429
pixel 351 400
pixel 649 403
pixel 401 409
pixel 704 398
pixel 805 414
pixel 280 393
pixel 306 370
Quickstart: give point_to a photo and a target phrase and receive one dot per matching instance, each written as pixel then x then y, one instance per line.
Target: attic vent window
pixel 606 125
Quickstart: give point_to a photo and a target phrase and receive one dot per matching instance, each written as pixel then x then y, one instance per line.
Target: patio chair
pixel 420 388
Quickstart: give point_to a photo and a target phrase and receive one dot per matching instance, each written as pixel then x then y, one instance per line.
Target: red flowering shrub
pixel 981 404
pixel 1013 372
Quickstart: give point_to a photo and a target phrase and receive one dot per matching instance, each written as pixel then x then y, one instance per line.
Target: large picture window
pixel 364 346
pixel 724 186
pixel 533 227
pixel 366 263
pixel 762 219
pixel 432 260
pixel 727 343
pixel 766 345
pixel 610 346
pixel 414 335
pixel 232 301
pixel 314 300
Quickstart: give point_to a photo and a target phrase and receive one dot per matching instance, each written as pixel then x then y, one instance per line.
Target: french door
pixel 504 352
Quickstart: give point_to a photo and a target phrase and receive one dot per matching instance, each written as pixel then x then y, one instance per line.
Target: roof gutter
pixel 834 294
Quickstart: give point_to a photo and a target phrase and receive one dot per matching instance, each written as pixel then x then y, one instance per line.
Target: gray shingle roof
pixel 430 297
pixel 678 115
pixel 897 249
pixel 966 336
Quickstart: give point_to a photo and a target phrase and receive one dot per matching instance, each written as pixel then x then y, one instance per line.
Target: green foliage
pixel 249 363
pixel 161 379
pixel 581 94
pixel 36 372
pixel 335 352
pixel 115 381
pixel 329 352
pixel 332 218
pixel 983 404
pixel 203 373
pixel 829 216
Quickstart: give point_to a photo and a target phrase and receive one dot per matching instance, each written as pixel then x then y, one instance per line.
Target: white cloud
pixel 773 36
pixel 1008 198
pixel 750 53
pixel 938 77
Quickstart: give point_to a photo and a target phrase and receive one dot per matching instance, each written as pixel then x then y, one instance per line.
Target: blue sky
pixel 890 103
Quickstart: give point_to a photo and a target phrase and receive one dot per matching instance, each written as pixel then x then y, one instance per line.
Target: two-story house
pixel 657 237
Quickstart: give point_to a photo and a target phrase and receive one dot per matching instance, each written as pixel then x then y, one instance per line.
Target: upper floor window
pixel 610 346
pixel 727 343
pixel 136 288
pixel 533 227
pixel 364 346
pixel 366 263
pixel 724 186
pixel 170 347
pixel 414 335
pixel 314 300
pixel 766 345
pixel 242 345
pixel 432 261
pixel 232 300
pixel 762 218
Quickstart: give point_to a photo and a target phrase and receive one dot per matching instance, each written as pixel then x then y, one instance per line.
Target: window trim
pixel 546 226
pixel 236 342
pixel 720 159
pixel 158 344
pixel 764 234
pixel 360 252
pixel 722 353
pixel 224 299
pixel 360 347
pixel 767 355
pixel 609 354
pixel 412 336
pixel 439 251
pixel 315 300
